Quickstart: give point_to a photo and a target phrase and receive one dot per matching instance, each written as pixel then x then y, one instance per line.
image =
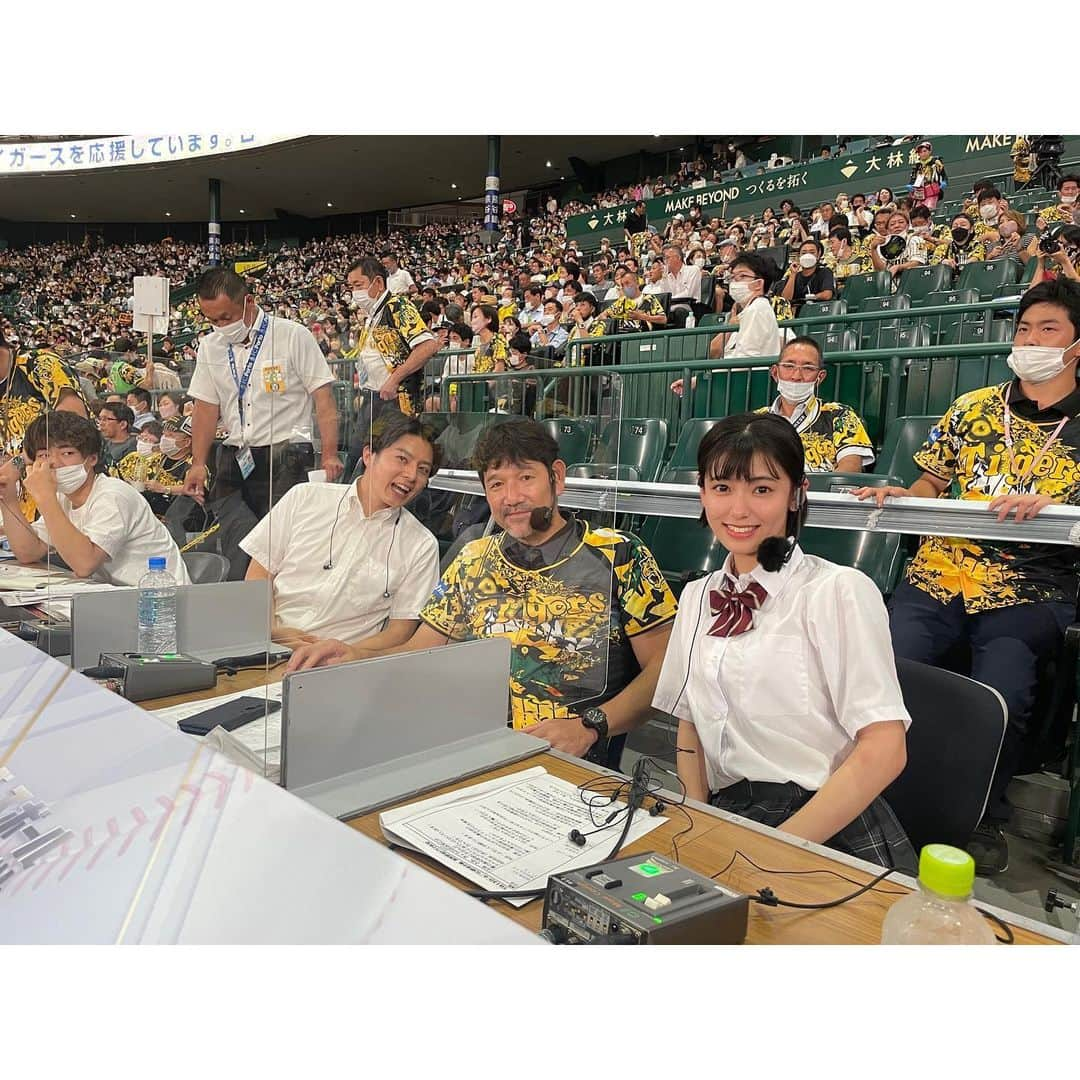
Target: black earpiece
pixel 577 837
pixel 658 808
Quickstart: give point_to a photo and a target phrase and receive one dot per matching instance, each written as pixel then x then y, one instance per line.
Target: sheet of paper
pixel 61 588
pixel 13 576
pixel 511 833
pixel 262 737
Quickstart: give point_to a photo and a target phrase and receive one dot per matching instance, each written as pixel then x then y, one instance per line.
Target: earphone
pixel 329 564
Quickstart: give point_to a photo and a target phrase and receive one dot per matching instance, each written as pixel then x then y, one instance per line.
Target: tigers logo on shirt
pixel 273 379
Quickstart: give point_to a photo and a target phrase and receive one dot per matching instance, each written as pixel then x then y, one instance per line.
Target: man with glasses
pixel 833 437
pixel 118 440
pixel 758 333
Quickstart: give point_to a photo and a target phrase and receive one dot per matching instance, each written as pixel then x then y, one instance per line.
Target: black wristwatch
pixel 595 720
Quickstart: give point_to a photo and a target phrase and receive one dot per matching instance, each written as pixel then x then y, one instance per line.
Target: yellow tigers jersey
pixel 570 620
pixel 967 449
pixel 623 311
pixel 486 355
pixel 34 385
pixel 974 251
pixel 1051 214
pixel 857 262
pixel 829 431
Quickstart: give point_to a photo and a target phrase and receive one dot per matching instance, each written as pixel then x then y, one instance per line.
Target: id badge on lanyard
pixel 244 457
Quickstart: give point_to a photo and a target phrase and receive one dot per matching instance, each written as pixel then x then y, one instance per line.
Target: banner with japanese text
pixel 965 157
pixel 25 159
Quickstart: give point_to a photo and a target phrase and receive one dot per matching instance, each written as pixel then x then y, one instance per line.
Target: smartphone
pixel 230 715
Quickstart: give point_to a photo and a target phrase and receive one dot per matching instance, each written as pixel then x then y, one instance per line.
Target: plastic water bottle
pixel 941 912
pixel 691 322
pixel 157 610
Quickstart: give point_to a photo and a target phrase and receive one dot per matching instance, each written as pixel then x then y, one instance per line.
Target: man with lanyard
pixel 31 385
pixel 1017 447
pixel 833 436
pixel 588 611
pixel 393 347
pixel 260 375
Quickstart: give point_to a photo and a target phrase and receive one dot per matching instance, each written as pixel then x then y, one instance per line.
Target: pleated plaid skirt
pixel 875 835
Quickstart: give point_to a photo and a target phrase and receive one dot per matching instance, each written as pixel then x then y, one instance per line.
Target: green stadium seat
pixel 683 548
pixel 913 336
pixel 684 456
pixel 904 436
pixel 921 282
pixel 859 287
pixel 592 470
pixel 870 330
pixel 636 445
pixel 1028 272
pixel 987 276
pixel 941 323
pixel 931 386
pixel 879 555
pixel 573 436
pixel 837 341
pixel 816 309
pixel 976 333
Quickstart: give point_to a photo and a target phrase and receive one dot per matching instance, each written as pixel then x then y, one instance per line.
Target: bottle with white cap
pixel 157 609
pixel 941 911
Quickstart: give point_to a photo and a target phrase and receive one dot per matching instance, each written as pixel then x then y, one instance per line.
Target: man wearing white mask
pixel 258 375
pixel 99 525
pixel 810 280
pixel 833 437
pixel 1016 448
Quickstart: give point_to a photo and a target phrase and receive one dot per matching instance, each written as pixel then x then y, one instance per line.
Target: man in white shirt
pixel 100 526
pixel 347 561
pixel 654 278
pixel 259 375
pixel 398 281
pixel 683 282
pixel 139 403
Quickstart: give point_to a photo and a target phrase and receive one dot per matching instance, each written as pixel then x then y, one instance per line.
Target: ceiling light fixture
pixel 329 204
pixel 454 186
pixel 548 164
pixel 72 215
pixel 243 211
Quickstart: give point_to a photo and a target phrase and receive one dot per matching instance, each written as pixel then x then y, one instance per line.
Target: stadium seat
pixel 987 276
pixel 684 456
pixel 921 282
pixel 941 323
pixel 574 437
pixel 814 309
pixel 976 333
pixel 913 336
pixel 626 447
pixel 860 287
pixel 902 438
pixel 683 548
pixel 879 555
pixel 836 341
pixel 869 330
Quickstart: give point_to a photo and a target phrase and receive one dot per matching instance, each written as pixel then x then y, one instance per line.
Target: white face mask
pixel 988 212
pixel 235 332
pixel 1068 200
pixel 70 478
pixel 167 445
pixel 740 291
pixel 145 448
pixel 795 393
pixel 1037 363
pixel 699 260
pixel 807 261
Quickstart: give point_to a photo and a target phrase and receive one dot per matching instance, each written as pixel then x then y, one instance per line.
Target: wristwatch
pixel 595 720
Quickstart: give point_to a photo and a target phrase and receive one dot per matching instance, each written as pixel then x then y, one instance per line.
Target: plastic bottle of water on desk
pixel 157 610
pixel 941 912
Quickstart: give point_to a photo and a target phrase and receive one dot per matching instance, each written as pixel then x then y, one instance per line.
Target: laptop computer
pixel 360 736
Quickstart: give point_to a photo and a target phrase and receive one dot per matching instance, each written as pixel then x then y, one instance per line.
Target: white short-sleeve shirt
pixel 785 700
pixel 345 602
pixel 277 403
pixel 118 520
pixel 758 333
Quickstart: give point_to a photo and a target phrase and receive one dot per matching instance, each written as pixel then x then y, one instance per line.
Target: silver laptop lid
pixel 338 720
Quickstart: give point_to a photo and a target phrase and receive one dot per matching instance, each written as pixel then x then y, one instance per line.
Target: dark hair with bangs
pixel 729 449
pixel 515 442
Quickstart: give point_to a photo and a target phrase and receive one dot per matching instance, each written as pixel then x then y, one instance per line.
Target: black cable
pixel 767 897
pixel 1009 937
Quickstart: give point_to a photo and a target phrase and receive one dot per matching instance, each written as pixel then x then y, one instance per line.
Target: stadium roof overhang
pixel 312 177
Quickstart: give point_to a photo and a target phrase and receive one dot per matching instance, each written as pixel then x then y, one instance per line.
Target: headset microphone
pixel 540 518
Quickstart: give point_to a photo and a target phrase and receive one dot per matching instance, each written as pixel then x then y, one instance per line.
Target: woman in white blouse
pixel 780 667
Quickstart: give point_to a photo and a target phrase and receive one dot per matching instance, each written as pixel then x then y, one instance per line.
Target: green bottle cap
pixel 948 871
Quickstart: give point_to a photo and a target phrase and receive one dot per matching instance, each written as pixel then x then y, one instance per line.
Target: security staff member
pixel 259 374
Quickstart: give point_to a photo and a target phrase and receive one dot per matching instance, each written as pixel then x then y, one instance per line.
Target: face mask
pixel 922 230
pixel 740 291
pixel 960 234
pixel 795 393
pixel 807 261
pixel 1037 363
pixel 144 448
pixel 699 260
pixel 988 212
pixel 562 281
pixel 70 478
pixel 235 332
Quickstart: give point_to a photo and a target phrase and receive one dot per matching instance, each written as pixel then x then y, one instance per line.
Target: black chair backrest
pixel 957 725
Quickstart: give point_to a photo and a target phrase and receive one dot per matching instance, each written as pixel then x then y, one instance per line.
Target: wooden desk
pixel 707 848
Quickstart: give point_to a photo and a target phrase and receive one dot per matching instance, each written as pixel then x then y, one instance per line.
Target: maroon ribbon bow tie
pixel 734 611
